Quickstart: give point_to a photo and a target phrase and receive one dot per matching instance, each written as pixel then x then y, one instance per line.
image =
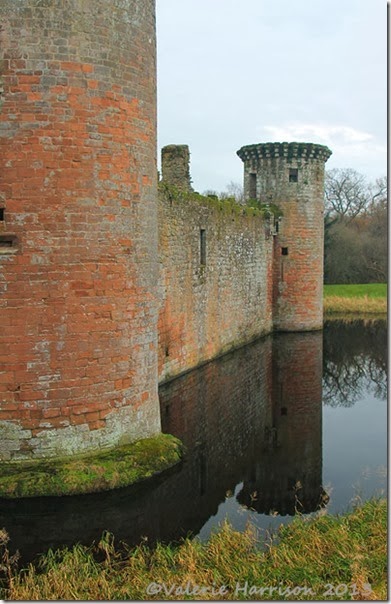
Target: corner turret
pixel 291 176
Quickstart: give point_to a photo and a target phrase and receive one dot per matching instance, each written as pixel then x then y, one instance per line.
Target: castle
pixel 107 288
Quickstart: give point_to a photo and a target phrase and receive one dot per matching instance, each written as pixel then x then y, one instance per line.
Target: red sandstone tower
pixel 291 176
pixel 78 226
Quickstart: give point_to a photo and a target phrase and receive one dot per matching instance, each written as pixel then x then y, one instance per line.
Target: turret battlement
pixel 285 150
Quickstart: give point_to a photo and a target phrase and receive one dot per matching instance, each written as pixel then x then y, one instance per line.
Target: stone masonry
pixel 255 277
pixel 214 303
pixel 176 167
pixel 78 239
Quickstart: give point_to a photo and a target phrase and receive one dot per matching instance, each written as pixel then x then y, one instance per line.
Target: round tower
pixel 78 234
pixel 291 176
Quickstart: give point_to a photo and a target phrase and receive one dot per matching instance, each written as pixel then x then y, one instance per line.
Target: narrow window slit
pixel 284 251
pixel 202 246
pixel 293 175
pixel 252 189
pixel 8 242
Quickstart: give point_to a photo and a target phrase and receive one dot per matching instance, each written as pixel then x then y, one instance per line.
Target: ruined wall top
pixel 176 166
pixel 285 150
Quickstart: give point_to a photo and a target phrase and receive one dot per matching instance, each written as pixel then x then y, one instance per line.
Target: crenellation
pixel 285 149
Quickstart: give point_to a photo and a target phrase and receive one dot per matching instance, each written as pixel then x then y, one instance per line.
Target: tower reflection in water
pixel 252 417
pixel 285 476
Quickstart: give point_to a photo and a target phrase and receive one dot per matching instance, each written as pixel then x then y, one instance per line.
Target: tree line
pixel 355 228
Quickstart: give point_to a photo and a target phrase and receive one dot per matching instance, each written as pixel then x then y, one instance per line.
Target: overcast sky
pixel 237 72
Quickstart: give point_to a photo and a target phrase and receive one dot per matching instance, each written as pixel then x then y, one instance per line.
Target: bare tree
pixel 347 194
pixel 355 228
pixel 234 189
pixel 379 191
pixel 374 244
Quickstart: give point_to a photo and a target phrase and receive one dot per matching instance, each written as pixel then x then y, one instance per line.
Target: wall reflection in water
pixel 251 417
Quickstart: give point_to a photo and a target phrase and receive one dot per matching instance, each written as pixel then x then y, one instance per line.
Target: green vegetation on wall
pixel 225 204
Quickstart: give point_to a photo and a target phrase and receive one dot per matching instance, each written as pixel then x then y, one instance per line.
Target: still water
pixel 288 424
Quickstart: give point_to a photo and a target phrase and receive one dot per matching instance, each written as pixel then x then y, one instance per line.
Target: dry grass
pixel 364 304
pixel 348 299
pixel 347 553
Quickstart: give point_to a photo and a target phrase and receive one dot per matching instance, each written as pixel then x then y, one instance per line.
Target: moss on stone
pixel 81 474
pixel 227 205
pixel 265 208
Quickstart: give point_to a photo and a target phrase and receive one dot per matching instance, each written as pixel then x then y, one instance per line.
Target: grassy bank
pixel 369 298
pixel 327 558
pixel 91 472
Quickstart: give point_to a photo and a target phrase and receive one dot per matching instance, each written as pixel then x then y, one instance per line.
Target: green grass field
pixel 366 299
pixel 372 290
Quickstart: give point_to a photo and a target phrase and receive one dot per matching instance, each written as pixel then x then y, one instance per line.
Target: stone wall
pixel 176 166
pixel 78 239
pixel 227 276
pixel 215 280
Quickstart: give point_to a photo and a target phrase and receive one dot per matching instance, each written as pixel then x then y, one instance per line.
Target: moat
pixel 289 423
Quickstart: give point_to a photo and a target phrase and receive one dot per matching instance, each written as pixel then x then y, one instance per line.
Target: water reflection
pixel 253 417
pixel 252 425
pixel 355 411
pixel 355 360
pixel 286 471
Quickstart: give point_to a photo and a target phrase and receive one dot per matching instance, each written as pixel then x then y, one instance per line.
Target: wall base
pixel 297 328
pixel 81 474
